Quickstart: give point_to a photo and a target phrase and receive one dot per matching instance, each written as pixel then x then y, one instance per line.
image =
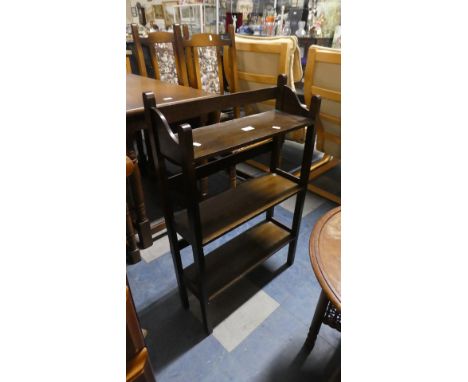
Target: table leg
pixel 316 321
pixel 143 223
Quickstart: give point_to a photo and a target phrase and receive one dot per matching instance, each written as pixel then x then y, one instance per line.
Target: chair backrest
pixel 167 56
pixel 259 62
pixel 261 59
pixel 323 77
pixel 204 60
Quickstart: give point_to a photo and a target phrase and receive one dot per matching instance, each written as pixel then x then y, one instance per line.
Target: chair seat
pixel 129 166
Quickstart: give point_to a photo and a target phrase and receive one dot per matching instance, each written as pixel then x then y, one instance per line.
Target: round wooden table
pixel 325 256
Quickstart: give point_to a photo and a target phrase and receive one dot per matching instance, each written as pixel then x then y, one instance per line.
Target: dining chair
pixel 259 62
pixel 205 53
pixel 323 77
pixel 138 364
pixel 166 56
pixel 133 252
pixel 261 59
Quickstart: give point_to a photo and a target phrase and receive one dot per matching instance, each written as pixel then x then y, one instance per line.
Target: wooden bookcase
pixel 205 150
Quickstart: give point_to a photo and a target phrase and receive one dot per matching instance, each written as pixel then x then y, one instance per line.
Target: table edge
pixel 313 249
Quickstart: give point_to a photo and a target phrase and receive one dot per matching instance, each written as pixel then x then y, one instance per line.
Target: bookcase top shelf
pixel 225 137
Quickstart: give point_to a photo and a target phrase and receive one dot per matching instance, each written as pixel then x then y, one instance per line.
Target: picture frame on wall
pixel 158 11
pixel 134 12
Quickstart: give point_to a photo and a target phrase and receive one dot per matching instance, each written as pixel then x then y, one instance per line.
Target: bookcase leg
pixel 176 259
pixel 270 213
pixel 180 282
pixel 206 322
pixel 296 224
pixel 199 258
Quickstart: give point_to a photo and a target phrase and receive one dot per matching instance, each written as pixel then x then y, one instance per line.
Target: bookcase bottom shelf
pixel 234 259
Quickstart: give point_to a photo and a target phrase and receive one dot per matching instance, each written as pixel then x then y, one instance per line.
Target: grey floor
pixel 260 323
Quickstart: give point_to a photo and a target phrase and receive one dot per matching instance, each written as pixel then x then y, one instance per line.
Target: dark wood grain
pixel 224 137
pixel 230 262
pixel 228 210
pixel 166 94
pixel 196 107
pixel 204 221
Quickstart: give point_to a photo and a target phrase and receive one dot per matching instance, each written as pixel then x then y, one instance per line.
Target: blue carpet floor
pixel 276 302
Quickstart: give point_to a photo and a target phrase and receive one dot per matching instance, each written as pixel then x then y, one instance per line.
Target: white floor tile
pixel 159 248
pixel 238 326
pixel 237 312
pixel 312 202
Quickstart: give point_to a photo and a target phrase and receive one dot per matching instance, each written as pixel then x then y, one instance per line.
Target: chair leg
pixel 204 183
pixel 232 177
pixel 316 321
pixel 133 252
pixel 143 223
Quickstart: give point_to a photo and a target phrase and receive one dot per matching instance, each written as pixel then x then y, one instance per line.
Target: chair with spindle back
pixel 167 57
pixel 323 77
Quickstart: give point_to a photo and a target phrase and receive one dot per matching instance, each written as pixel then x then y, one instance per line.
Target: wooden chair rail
pixel 258 78
pixel 156 37
pixel 326 93
pixel 207 39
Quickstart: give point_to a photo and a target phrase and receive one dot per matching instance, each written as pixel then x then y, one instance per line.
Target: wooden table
pixel 166 94
pixel 325 256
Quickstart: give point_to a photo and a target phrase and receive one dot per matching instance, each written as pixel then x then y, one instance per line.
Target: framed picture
pixel 134 12
pixel 158 11
pixel 169 13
